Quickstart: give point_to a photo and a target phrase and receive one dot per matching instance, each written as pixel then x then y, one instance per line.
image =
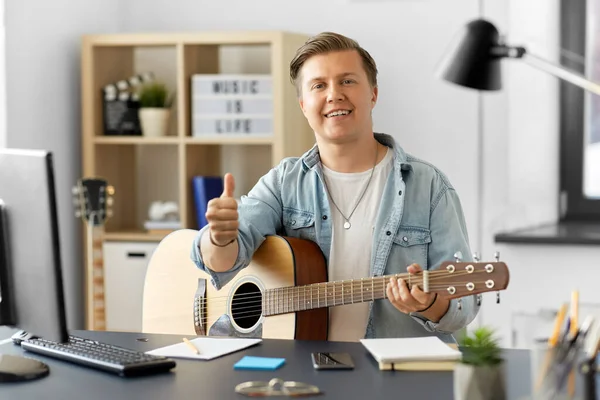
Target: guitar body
pixel 172 278
pixel 280 262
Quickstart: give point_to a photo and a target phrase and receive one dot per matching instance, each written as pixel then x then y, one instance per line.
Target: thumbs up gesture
pixel 222 215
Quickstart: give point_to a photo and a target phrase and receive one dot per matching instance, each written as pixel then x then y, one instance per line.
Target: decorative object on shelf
pixel 120 106
pixel 93 201
pixel 480 374
pixel 225 104
pixel 204 189
pixel 154 108
pixel 163 217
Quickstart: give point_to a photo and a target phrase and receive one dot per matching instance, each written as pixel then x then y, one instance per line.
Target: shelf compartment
pixel 140 175
pixel 161 60
pixel 247 163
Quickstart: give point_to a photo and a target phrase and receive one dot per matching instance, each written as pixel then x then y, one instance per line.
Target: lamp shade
pixel 471 61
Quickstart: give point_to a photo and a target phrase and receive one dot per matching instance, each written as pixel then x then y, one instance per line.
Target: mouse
pixel 18 337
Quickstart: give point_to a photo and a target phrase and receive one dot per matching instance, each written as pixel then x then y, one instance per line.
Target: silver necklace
pixel 347 223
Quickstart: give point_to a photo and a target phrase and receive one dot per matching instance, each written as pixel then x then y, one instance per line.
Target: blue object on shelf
pixel 205 188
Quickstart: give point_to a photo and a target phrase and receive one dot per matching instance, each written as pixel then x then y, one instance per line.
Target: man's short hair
pixel 326 42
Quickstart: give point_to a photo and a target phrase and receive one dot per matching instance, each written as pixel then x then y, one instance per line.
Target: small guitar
pixel 284 292
pixel 93 201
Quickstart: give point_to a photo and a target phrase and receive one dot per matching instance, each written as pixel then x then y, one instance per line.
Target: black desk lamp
pixel 474 61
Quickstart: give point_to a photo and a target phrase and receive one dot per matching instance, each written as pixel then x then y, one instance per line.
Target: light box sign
pixel 232 105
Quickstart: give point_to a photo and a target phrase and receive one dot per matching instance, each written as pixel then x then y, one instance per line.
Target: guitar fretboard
pixel 301 298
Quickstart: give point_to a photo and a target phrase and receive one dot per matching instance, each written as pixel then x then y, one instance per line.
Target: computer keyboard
pixel 98 355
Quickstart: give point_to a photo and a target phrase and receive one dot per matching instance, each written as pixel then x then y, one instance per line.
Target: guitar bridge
pixel 200 308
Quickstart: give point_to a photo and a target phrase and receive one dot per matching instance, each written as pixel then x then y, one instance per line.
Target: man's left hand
pixel 405 299
pixel 415 300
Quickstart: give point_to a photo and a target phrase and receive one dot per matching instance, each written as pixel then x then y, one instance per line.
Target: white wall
pixel 406 39
pixel 43 107
pixel 521 170
pixel 510 171
pixel 432 119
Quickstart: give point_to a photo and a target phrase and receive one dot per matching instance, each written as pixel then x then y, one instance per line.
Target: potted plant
pixel 480 373
pixel 154 111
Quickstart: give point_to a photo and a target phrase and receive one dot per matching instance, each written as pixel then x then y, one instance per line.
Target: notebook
pixel 209 348
pixel 420 353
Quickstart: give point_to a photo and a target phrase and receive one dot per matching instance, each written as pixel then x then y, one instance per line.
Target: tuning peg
pixel 110 190
pixel 109 213
pixel 497 297
pixel 77 214
pixel 75 190
pixel 109 201
pixel 478 299
pixel 458 256
pixel 476 257
pixel 497 256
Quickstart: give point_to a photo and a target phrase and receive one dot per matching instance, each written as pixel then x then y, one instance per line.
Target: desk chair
pixel 170 285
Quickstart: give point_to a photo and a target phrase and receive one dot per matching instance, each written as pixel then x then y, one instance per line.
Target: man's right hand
pixel 222 215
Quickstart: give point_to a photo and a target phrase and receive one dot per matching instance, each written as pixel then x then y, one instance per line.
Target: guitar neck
pixel 317 295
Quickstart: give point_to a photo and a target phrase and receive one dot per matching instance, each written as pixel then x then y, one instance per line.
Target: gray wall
pixel 43 108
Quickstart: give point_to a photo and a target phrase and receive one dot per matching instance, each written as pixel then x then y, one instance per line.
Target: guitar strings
pixel 254 312
pixel 434 276
pixel 337 294
pixel 338 290
pixel 295 301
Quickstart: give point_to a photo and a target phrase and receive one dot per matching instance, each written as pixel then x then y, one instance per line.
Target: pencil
pixel 574 312
pixel 560 317
pixel 191 346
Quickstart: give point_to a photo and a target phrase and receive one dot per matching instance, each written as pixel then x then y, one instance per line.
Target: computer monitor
pixel 31 282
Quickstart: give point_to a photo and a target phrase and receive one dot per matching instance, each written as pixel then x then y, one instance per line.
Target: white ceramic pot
pixel 154 121
pixel 479 383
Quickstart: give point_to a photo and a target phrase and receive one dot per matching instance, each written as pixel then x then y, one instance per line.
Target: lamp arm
pixel 562 73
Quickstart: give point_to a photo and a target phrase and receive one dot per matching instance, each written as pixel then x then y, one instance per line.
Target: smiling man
pixel 372 208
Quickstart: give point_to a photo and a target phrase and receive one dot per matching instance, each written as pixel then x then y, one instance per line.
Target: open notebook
pixel 209 348
pixel 420 353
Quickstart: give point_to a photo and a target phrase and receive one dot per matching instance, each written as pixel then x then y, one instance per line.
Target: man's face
pixel 336 96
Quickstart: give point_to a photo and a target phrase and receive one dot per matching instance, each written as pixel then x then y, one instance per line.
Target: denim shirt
pixel 420 220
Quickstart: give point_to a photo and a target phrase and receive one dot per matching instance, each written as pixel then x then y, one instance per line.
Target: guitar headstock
pixel 93 200
pixel 460 278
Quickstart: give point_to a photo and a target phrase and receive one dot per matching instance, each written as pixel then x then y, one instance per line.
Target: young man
pixel 372 208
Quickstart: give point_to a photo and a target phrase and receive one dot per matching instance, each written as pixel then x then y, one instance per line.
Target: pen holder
pixel 550 369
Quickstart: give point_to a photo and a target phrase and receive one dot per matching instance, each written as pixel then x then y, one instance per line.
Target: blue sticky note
pixel 259 363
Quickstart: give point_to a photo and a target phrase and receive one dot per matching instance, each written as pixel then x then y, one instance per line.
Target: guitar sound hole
pixel 246 306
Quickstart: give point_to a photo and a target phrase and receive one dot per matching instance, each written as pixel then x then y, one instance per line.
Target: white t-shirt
pixel 350 256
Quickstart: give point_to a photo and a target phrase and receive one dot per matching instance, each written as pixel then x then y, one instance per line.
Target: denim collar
pixel 311 158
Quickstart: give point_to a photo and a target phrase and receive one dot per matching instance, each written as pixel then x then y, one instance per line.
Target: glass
pixel 549 379
pixel 276 387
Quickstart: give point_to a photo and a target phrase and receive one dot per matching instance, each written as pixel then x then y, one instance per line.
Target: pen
pixel 191 346
pixel 574 327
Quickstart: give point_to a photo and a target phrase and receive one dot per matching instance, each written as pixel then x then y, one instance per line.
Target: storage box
pixel 227 84
pixel 242 125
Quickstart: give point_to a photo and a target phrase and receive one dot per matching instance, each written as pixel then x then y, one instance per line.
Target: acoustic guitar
pixel 284 292
pixel 93 201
